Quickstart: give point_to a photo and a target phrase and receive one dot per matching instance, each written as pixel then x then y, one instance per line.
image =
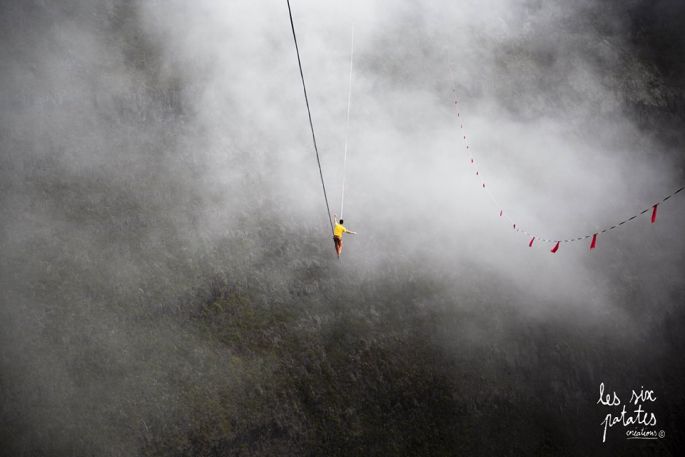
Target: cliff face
pixel 168 286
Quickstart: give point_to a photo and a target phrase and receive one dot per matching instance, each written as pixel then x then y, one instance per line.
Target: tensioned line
pixel 347 126
pixel 535 237
pixel 309 113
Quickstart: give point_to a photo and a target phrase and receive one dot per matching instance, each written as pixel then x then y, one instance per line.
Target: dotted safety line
pixel 535 237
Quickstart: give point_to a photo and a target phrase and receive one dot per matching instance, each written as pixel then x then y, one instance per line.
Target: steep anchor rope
pixel 309 113
pixel 347 126
pixel 557 242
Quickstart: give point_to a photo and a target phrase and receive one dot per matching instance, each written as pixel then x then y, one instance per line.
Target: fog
pixel 169 285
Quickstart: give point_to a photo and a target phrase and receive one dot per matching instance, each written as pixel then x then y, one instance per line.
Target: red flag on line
pixel 557 244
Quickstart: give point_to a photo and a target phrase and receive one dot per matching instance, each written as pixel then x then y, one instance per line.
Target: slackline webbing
pixel 309 113
pixel 557 241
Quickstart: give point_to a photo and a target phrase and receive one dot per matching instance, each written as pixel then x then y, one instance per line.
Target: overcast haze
pixel 169 285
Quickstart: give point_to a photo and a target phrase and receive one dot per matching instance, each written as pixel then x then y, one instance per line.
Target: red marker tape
pixel 555 248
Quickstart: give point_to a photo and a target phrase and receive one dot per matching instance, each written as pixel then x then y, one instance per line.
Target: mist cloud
pixel 151 150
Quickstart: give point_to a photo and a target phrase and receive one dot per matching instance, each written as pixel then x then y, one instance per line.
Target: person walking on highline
pixel 338 231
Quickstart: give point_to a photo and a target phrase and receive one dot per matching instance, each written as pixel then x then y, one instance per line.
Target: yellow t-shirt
pixel 339 230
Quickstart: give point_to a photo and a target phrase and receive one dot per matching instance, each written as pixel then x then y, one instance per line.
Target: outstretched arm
pixel 351 232
pixel 335 219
